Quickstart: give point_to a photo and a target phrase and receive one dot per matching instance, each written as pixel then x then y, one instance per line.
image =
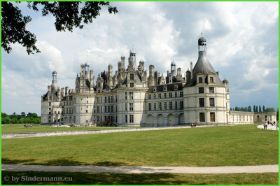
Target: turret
pixel 54 78
pixel 173 69
pixel 132 60
pixel 151 81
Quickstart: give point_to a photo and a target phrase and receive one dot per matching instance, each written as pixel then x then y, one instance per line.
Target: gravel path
pixel 143 169
pixel 69 133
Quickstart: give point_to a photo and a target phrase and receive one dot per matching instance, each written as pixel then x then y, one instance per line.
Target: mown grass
pixel 107 178
pixel 213 146
pixel 19 128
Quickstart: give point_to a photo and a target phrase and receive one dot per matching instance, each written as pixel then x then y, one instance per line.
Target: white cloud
pixel 242 46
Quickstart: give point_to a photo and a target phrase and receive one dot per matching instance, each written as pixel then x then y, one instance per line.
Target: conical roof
pixel 203 65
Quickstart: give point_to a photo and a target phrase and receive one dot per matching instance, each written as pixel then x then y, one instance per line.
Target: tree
pixel 68 15
pixel 260 108
pixel 249 108
pixel 263 108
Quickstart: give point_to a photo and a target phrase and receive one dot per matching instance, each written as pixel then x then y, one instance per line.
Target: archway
pixel 160 120
pixel 171 120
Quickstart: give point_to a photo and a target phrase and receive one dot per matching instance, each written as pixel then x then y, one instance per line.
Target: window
pixel 181 104
pixel 211 79
pixel 170 94
pixel 86 111
pixel 131 84
pixel 131 95
pixel 165 88
pixel 201 102
pixel 164 95
pixel 150 106
pixel 175 94
pixel 50 103
pixel 200 80
pixel 155 106
pixel 212 102
pixel 125 95
pixel 212 117
pixel 200 90
pixel 176 106
pixel 211 90
pixel 149 96
pixel 181 94
pixel 125 104
pixel 202 117
pixel 105 108
pixel 125 118
pixel 159 95
pixel 131 118
pixel 176 87
pixel 165 106
pixel 170 105
pixel 131 77
pixel 159 105
pixel 130 106
pixel 155 96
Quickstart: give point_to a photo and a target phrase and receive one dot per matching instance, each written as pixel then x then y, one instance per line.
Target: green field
pixel 213 146
pixel 106 178
pixel 19 128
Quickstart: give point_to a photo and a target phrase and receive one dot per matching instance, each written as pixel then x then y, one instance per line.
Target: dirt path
pixel 69 133
pixel 143 169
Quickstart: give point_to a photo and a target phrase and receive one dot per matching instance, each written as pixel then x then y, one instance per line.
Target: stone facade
pixel 134 97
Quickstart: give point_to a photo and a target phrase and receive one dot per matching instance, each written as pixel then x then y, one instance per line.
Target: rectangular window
pixel 165 106
pixel 211 90
pixel 125 118
pixel 200 90
pixel 181 104
pixel 131 84
pixel 170 94
pixel 200 80
pixel 125 95
pixel 155 106
pixel 155 96
pixel 212 117
pixel 130 106
pixel 131 118
pixel 212 102
pixel 175 94
pixel 131 95
pixel 170 105
pixel 50 103
pixel 159 105
pixel 131 76
pixel 159 95
pixel 149 96
pixel 211 79
pixel 202 117
pixel 164 95
pixel 150 106
pixel 181 94
pixel 176 106
pixel 201 102
pixel 125 105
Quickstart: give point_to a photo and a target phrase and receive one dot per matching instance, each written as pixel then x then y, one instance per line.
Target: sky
pixel 242 45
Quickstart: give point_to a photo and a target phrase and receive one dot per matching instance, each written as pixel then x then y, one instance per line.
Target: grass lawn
pixel 19 128
pixel 213 146
pixel 106 178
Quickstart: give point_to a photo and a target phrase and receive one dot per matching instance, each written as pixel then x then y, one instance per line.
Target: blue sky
pixel 242 41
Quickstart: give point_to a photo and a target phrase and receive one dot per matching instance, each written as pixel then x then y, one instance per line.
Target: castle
pixel 134 97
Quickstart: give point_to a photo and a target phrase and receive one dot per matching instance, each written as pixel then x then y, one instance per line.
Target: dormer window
pixel 165 88
pixel 175 87
pixel 200 80
pixel 155 89
pixel 131 77
pixel 211 79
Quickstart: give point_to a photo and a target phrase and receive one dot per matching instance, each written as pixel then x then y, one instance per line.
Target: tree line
pixel 21 118
pixel 255 108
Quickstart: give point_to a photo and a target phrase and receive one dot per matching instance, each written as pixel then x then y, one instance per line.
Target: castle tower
pixel 110 76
